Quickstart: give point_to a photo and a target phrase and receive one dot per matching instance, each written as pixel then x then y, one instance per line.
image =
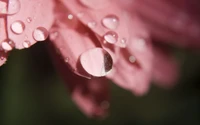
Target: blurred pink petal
pixel 170 21
pixel 165 72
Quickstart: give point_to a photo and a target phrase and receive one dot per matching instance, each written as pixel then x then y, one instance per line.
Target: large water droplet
pixel 17 27
pixel 92 24
pixel 96 62
pixel 110 37
pixel 40 34
pixel 10 7
pixel 7 45
pixel 111 22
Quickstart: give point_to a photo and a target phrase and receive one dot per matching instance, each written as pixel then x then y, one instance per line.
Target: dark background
pixel 31 93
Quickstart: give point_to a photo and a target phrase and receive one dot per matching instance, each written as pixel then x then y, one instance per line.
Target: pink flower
pixel 95 40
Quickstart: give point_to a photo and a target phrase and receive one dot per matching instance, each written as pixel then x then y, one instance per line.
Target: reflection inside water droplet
pixel 96 62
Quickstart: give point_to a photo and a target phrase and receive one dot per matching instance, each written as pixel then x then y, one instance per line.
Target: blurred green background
pixel 31 93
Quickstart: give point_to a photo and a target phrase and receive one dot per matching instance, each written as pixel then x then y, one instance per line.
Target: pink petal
pixel 72 39
pixel 134 76
pixel 91 96
pixel 133 65
pixel 165 71
pixel 170 21
pixel 93 12
pixel 33 14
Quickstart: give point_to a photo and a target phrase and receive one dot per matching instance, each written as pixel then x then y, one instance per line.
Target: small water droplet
pixel 105 104
pixel 67 60
pixel 110 37
pixel 70 16
pixel 80 14
pixel 140 43
pixel 17 27
pixel 132 59
pixel 2 58
pixel 26 44
pixel 53 35
pixel 7 45
pixel 92 24
pixel 40 34
pixel 29 19
pixel 96 62
pixel 110 22
pixel 123 42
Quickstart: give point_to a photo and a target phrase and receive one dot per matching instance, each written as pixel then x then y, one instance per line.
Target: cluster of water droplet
pixel 17 27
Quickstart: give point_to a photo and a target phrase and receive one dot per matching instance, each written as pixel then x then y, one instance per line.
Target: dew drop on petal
pixel 105 104
pixel 67 60
pixel 17 27
pixel 26 44
pixel 53 35
pixel 110 37
pixel 123 42
pixel 2 58
pixel 96 62
pixel 80 14
pixel 141 43
pixel 40 34
pixel 92 24
pixel 7 45
pixel 29 19
pixel 132 59
pixel 110 22
pixel 70 16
